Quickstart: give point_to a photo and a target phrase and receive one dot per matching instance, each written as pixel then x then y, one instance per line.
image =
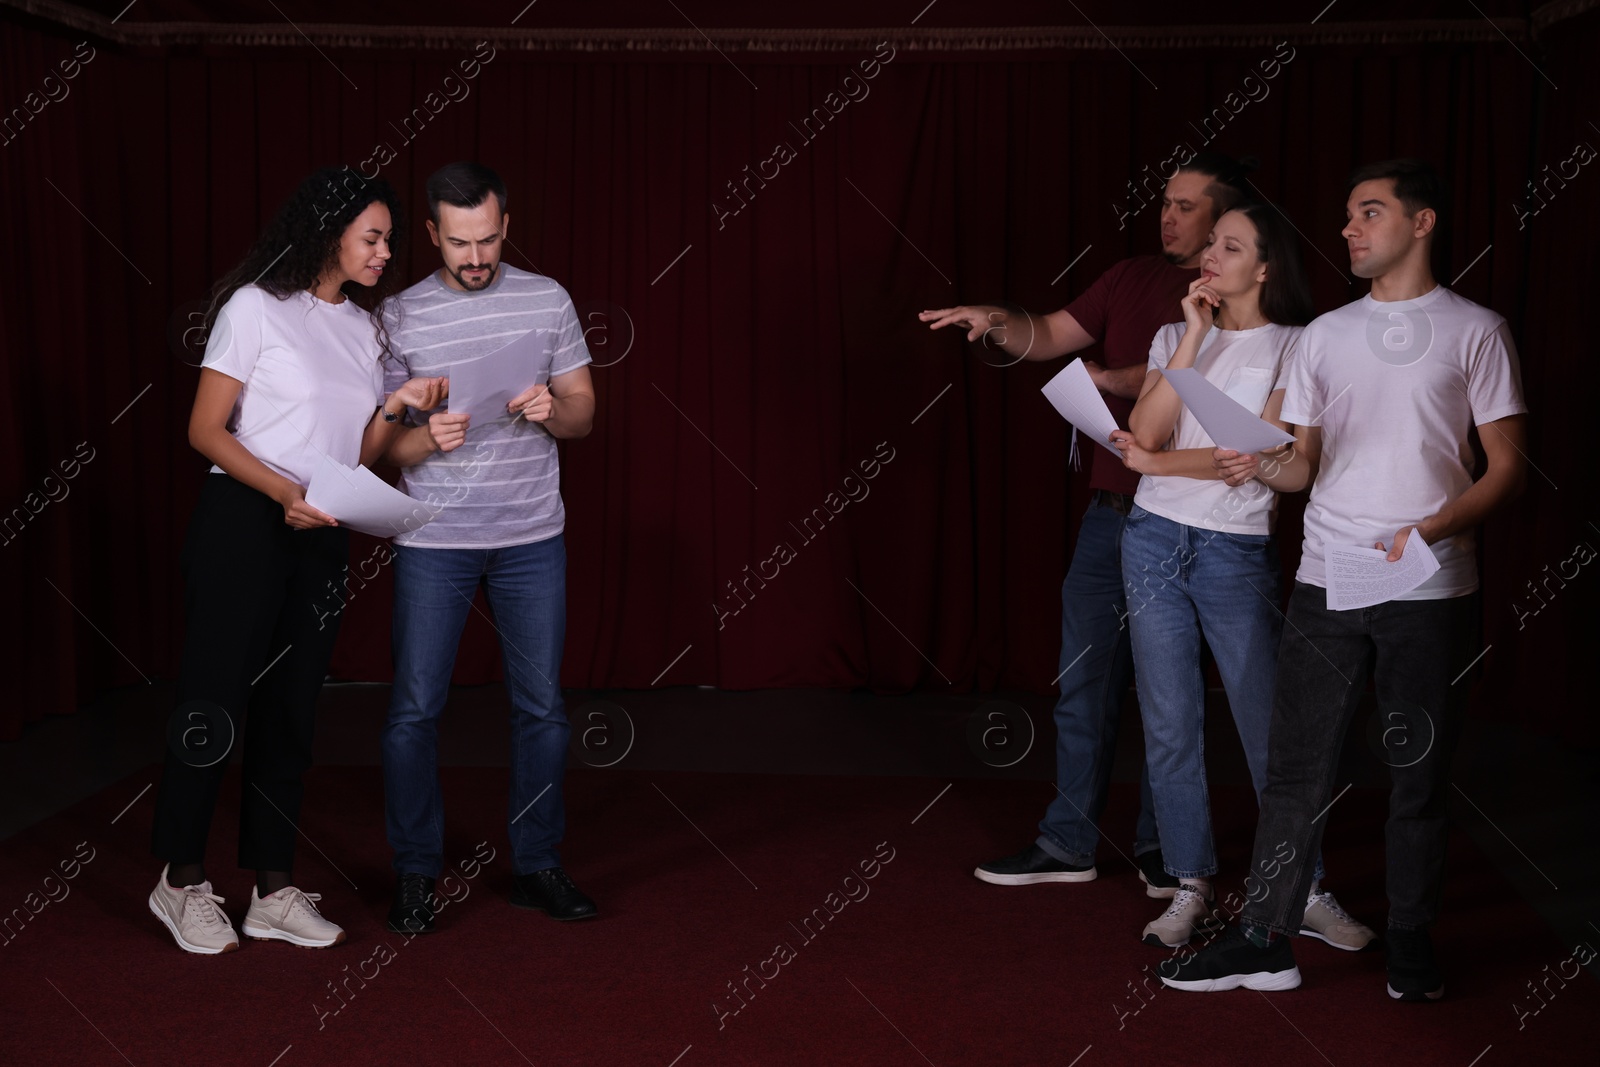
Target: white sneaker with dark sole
pixel 192 916
pixel 290 915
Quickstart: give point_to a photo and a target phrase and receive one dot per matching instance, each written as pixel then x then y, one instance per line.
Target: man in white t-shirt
pixel 499 527
pixel 1384 395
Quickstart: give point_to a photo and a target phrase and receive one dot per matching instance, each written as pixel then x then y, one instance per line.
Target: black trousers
pixel 1418 653
pixel 258 637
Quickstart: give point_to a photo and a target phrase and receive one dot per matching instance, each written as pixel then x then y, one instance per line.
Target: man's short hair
pixel 1416 184
pixel 464 184
pixel 1230 185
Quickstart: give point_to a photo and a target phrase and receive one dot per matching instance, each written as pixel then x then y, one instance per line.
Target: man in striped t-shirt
pixel 497 486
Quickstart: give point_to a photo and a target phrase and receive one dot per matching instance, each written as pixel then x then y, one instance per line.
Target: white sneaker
pixel 1189 913
pixel 292 916
pixel 1326 921
pixel 191 913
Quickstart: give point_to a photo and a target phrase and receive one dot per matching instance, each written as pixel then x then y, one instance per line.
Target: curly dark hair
pixel 302 241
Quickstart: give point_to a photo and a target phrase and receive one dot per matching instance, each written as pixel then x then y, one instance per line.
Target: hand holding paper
pixel 535 404
pixel 483 388
pixel 362 501
pixel 1075 396
pixel 1362 577
pixel 301 515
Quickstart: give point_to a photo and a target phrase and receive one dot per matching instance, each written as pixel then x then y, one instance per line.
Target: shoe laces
pixel 200 906
pixel 559 879
pixel 414 891
pixel 1182 899
pixel 1325 898
pixel 298 900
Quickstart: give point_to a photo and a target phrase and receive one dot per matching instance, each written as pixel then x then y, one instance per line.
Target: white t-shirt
pixel 310 373
pixel 1395 387
pixel 1247 365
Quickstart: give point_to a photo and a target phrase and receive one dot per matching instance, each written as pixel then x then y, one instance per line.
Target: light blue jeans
pixel 526 586
pixel 1182 583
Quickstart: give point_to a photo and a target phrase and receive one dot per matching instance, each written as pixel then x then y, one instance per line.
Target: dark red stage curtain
pixel 750 359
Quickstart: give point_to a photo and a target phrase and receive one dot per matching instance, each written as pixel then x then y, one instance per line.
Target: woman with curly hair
pixel 292 373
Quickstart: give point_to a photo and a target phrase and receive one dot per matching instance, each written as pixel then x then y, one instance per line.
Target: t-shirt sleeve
pixel 1302 395
pixel 568 351
pixel 1094 304
pixel 395 371
pixel 1163 344
pixel 233 344
pixel 1286 361
pixel 1494 378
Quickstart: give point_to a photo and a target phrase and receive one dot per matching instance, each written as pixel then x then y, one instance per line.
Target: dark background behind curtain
pixel 787 335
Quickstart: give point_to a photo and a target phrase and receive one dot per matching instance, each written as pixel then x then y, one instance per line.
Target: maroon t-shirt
pixel 1123 309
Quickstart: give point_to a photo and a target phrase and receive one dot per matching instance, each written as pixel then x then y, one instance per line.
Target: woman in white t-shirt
pixel 1198 559
pixel 292 373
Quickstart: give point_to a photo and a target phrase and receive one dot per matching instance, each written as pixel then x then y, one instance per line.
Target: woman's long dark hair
pixel 302 241
pixel 1285 295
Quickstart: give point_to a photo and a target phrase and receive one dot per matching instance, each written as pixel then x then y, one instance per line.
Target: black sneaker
pixel 412 911
pixel 1414 975
pixel 553 893
pixel 1232 962
pixel 1032 864
pixel 1158 884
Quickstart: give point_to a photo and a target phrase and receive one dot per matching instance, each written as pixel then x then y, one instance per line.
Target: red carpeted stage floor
pixel 705 880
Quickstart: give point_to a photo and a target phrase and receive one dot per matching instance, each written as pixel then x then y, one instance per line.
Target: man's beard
pixel 488 278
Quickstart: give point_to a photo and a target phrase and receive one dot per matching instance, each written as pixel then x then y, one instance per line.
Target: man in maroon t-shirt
pixel 1121 311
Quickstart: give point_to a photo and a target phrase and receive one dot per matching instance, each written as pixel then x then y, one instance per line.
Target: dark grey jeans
pixel 1417 652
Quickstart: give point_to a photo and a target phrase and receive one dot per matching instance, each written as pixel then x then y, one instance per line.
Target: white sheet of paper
pixel 1362 577
pixel 1079 402
pixel 1226 421
pixel 363 501
pixel 483 387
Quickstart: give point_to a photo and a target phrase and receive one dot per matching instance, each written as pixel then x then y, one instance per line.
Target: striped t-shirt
pixel 502 487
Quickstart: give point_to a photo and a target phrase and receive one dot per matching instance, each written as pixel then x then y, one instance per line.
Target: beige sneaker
pixel 292 916
pixel 1326 921
pixel 191 913
pixel 1189 913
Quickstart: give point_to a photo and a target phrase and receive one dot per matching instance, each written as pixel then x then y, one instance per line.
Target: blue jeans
pixel 526 586
pixel 1184 582
pixel 1097 666
pixel 1418 653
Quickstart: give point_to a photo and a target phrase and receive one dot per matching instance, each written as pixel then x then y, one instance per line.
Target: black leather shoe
pixel 1031 866
pixel 412 911
pixel 553 893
